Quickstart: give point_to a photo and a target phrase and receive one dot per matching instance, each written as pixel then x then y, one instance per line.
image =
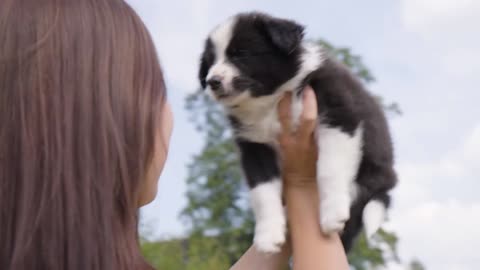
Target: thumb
pixel 309 116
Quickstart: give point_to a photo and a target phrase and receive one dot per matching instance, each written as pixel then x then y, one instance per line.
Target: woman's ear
pixel 284 34
pixel 206 62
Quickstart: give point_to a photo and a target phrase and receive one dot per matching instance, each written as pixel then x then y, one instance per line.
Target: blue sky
pixel 425 55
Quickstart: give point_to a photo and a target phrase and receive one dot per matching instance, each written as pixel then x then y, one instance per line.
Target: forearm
pixel 311 249
pixel 255 260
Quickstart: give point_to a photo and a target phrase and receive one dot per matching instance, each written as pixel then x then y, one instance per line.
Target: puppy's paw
pixel 269 237
pixel 333 216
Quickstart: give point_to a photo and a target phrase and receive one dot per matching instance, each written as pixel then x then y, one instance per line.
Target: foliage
pixel 416 265
pixel 164 255
pixel 374 253
pixel 216 192
pixel 196 253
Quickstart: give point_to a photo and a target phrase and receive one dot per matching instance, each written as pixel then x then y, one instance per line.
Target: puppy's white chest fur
pixel 259 120
pixel 263 131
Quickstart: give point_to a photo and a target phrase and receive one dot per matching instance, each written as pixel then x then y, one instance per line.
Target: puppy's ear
pixel 206 62
pixel 284 34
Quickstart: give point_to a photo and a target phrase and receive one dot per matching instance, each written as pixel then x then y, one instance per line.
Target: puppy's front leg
pixel 260 164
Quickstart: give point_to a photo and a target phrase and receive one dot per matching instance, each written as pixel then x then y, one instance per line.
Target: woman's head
pixel 81 102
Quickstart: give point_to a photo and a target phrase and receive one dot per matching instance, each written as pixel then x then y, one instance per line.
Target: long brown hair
pixel 81 91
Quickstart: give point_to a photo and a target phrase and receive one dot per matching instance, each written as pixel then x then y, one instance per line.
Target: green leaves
pixel 374 253
pixel 216 193
pixel 196 253
pixel 164 255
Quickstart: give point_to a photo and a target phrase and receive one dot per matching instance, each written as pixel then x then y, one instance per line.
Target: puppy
pixel 249 62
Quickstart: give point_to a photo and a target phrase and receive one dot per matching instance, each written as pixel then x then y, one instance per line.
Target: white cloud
pixel 449 33
pixel 433 15
pixel 472 148
pixel 440 230
pixel 433 177
pixel 442 234
pixel 462 62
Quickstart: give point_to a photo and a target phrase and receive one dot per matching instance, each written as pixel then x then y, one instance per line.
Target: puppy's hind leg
pixel 339 158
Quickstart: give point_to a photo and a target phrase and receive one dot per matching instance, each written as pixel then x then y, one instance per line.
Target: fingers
pixel 308 118
pixel 285 112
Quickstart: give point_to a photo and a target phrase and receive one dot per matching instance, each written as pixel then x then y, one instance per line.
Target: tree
pixel 416 265
pixel 192 254
pixel 374 253
pixel 216 192
pixel 164 255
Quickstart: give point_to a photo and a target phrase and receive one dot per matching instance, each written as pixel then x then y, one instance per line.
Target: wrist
pixel 300 181
pixel 302 205
pixel 302 208
pixel 256 260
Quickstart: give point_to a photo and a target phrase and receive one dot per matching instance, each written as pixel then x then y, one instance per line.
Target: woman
pixel 84 134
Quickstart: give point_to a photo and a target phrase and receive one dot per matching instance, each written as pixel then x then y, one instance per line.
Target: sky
pixel 425 55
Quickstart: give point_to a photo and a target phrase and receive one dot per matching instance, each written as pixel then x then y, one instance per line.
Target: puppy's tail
pixel 373 216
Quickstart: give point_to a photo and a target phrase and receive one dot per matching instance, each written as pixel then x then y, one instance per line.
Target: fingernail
pixel 309 90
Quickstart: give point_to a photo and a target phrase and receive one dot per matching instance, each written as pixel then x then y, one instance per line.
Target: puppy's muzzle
pixel 215 83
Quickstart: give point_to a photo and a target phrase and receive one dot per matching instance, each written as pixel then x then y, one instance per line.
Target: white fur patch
pixel 270 227
pixel 337 166
pixel 221 37
pixel 260 122
pixel 373 216
pixel 311 59
pixel 259 118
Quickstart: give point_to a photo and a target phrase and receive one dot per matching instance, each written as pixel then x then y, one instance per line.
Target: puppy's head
pixel 250 55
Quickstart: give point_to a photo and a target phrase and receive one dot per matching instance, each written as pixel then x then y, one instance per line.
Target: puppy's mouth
pixel 231 98
pixel 234 92
pixel 226 93
pixel 227 96
pixel 222 95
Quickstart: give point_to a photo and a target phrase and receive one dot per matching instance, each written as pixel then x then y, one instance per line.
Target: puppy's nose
pixel 215 82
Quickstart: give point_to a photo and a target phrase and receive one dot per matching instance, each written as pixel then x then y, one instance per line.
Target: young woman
pixel 84 134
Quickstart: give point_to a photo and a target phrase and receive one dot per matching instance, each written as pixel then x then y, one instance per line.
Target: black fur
pixel 208 57
pixel 284 34
pixel 259 50
pixel 259 162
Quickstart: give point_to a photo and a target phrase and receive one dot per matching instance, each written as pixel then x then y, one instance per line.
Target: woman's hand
pixel 298 148
pixel 311 249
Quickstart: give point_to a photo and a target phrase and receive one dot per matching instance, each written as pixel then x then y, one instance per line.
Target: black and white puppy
pixel 249 62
